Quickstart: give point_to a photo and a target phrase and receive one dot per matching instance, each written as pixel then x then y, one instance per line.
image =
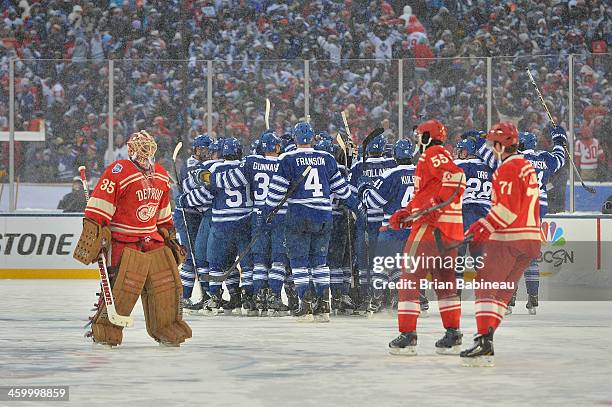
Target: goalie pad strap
pixel 161 299
pixel 94 238
pixel 127 286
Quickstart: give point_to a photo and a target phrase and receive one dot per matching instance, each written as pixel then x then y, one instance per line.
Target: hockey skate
pixel 342 304
pixel 404 345
pixel 190 307
pixel 214 305
pixel 304 311
pixel 511 304
pixel 532 304
pixel 293 301
pixel 249 307
pixel 481 354
pixel 450 343
pixel 376 303
pixel 261 302
pixel 276 308
pixel 364 304
pixel 321 308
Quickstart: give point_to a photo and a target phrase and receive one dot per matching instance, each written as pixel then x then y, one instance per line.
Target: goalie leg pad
pixel 161 299
pixel 127 286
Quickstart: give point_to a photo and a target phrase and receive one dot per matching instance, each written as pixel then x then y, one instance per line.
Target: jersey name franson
pixel 313 161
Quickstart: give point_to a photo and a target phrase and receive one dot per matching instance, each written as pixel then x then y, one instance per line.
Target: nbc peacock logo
pixel 553 234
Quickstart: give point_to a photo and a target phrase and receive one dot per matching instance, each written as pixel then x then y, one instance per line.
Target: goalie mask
pixel 141 149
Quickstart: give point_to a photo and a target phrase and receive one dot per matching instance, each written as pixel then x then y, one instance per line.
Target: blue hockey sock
pixel 276 277
pixel 301 279
pixel 320 277
pixel 532 278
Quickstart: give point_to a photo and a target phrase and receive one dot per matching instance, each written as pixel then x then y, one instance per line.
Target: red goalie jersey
pixel 515 211
pixel 437 178
pixel 130 202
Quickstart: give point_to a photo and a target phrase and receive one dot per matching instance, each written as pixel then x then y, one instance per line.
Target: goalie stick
pixel 255 238
pixel 589 189
pixel 107 293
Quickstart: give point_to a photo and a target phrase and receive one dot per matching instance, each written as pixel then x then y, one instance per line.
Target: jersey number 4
pixel 313 183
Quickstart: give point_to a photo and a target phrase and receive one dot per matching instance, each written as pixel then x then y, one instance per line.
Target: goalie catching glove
pixel 178 251
pixel 94 238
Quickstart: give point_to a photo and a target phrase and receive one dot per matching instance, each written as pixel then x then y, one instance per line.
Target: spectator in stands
pixel 248 41
pixel 588 154
pixel 74 201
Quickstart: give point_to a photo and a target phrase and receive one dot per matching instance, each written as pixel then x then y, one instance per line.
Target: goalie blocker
pixel 131 205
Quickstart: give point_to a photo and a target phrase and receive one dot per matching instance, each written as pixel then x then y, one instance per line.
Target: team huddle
pixel 300 213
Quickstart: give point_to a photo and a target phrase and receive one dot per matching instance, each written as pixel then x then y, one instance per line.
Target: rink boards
pixel 41 245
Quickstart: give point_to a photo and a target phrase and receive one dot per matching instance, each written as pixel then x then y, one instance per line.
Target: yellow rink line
pixel 49 273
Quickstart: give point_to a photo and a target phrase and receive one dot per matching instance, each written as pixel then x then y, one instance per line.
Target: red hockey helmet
pixel 504 133
pixel 432 130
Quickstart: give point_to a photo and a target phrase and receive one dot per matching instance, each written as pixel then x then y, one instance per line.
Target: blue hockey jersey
pixel 376 167
pixel 257 172
pixel 479 185
pixel 197 195
pixel 313 196
pixel 391 191
pixel 337 208
pixel 545 164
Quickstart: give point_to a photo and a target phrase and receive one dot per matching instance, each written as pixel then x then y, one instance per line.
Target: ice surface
pixel 560 357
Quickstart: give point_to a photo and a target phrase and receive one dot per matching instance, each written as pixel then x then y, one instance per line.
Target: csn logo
pixel 554 240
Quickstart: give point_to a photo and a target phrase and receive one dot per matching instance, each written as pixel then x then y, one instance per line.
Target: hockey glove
pixel 363 186
pixel 396 220
pixel 94 239
pixel 559 136
pixel 204 176
pixel 182 201
pixel 178 251
pixel 481 230
pixel 431 218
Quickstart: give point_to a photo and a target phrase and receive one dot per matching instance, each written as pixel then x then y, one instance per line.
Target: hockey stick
pixel 267 116
pixel 254 239
pixel 589 189
pixel 445 249
pixel 348 143
pixel 349 214
pixel 433 208
pixel 113 316
pixel 180 188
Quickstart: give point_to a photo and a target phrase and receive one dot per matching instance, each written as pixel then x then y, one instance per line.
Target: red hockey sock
pixel 450 312
pixel 407 315
pixel 489 314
